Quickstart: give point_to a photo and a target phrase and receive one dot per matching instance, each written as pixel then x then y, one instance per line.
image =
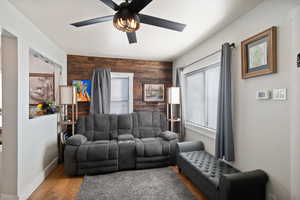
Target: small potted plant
pixel 48 107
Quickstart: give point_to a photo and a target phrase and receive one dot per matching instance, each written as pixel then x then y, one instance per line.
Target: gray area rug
pixel 150 184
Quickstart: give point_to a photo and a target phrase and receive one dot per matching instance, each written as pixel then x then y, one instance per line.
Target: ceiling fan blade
pixel 146 19
pixel 93 21
pixel 138 5
pixel 111 4
pixel 131 37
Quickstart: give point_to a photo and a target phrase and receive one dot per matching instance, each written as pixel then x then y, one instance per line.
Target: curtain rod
pixel 232 45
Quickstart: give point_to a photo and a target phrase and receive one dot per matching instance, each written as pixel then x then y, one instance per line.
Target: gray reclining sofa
pixel 107 143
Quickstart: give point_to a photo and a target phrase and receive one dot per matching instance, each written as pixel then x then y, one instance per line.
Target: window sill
pixel 206 132
pixel 42 116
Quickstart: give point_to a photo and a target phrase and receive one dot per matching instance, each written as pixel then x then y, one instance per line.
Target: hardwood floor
pixel 57 186
pixel 191 187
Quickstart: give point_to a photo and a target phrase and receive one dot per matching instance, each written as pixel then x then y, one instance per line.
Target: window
pixel 201 88
pixel 121 93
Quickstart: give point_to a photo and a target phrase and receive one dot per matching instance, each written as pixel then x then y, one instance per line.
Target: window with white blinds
pixel 121 93
pixel 201 88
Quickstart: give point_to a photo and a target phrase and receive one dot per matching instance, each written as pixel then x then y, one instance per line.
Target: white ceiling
pixel 203 18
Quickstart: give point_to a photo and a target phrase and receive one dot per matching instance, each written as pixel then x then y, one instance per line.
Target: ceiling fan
pixel 128 18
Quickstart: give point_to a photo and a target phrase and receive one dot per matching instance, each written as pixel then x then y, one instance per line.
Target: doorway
pixel 8 108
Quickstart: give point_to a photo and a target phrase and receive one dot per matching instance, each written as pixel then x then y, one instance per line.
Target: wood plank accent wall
pixel 81 68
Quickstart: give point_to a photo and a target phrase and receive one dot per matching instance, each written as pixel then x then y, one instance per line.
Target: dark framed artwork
pixel 41 88
pixel 259 54
pixel 154 92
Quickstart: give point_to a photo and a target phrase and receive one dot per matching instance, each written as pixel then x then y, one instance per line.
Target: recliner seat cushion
pixel 150 147
pixel 210 167
pixel 98 151
pixel 125 137
pixel 149 132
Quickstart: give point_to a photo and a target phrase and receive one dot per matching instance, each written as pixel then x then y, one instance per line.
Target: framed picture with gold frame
pixel 259 54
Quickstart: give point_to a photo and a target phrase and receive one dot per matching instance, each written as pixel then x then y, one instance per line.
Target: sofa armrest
pixel 236 186
pixel 76 140
pixel 125 137
pixel 168 135
pixel 189 146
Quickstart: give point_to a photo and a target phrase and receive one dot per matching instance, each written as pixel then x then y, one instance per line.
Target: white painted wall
pixel 295 106
pixel 262 128
pixel 35 138
pixel 40 156
pixel 0 105
pixel 0 93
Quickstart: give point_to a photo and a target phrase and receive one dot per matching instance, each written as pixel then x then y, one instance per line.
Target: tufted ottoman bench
pixel 215 178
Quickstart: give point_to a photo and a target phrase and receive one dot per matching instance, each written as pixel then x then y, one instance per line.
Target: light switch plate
pixel 263 95
pixel 280 94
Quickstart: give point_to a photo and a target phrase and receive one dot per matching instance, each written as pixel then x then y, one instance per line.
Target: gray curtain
pixel 178 83
pixel 224 139
pixel 101 94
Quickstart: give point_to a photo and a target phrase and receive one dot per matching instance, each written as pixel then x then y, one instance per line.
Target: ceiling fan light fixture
pixel 128 18
pixel 126 21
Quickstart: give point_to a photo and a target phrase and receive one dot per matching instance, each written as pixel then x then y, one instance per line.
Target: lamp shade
pixel 174 95
pixel 67 95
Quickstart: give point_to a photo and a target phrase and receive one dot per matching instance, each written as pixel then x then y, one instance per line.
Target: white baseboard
pixel 38 180
pixel 8 197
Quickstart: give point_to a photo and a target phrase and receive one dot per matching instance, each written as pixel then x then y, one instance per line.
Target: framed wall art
pixel 83 90
pixel 41 88
pixel 259 54
pixel 154 92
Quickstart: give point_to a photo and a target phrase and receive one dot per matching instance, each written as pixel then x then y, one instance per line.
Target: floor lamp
pixel 68 100
pixel 173 99
pixel 68 104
